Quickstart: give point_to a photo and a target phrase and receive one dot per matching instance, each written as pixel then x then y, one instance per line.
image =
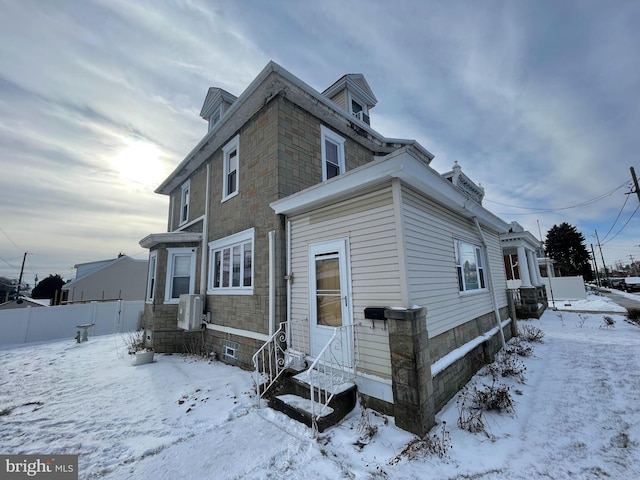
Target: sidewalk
pixel 623 300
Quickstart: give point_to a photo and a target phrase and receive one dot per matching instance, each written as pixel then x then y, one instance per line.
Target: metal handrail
pixel 332 367
pixel 269 360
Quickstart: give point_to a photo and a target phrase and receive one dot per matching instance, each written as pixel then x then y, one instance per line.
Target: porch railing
pixel 269 361
pixel 331 370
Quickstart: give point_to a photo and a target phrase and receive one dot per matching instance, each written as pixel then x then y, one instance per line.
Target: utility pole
pixel 604 265
pixel 635 182
pixel 21 273
pixel 593 255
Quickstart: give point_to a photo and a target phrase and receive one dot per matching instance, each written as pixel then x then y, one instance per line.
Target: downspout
pixel 494 299
pixel 205 235
pixel 272 282
pixel 289 278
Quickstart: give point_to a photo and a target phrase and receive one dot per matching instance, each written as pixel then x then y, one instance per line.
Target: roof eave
pixel 402 164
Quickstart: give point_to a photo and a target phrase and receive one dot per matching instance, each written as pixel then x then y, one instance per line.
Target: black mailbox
pixel 374 313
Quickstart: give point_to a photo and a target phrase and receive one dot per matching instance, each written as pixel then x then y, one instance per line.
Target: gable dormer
pixel 464 183
pixel 216 103
pixel 353 94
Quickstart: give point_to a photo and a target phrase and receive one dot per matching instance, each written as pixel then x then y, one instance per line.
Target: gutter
pixel 494 299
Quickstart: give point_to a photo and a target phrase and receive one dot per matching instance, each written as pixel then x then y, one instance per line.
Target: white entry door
pixel 330 298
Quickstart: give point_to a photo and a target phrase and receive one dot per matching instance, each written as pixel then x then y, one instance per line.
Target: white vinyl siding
pixel 370 225
pixel 430 235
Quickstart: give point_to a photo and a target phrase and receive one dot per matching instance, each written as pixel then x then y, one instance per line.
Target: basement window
pixel 230 351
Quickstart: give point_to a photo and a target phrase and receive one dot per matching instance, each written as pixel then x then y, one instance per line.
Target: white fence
pixel 40 324
pixel 560 288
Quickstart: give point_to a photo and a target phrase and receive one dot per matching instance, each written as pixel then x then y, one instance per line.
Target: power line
pixel 14 243
pixel 626 223
pixel 549 210
pixel 616 220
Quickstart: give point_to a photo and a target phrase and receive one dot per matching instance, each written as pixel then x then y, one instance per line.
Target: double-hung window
pixel 231 168
pixel 181 270
pixel 332 146
pixel 231 264
pixel 184 202
pixel 470 267
pixel 151 277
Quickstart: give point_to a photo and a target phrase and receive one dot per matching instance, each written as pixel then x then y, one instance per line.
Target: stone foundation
pixel 417 395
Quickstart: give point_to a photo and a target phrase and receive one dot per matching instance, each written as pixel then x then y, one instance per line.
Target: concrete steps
pixel 292 398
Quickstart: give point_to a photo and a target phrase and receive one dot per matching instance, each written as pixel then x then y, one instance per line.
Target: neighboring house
pixel 23 302
pixel 122 278
pixel 522 265
pixel 293 211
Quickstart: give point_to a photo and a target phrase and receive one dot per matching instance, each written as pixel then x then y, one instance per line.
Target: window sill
pixel 228 197
pixel 473 292
pixel 230 291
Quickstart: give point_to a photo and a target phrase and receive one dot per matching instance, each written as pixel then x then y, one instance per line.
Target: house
pixel 298 236
pixel 523 268
pixel 122 278
pixel 23 302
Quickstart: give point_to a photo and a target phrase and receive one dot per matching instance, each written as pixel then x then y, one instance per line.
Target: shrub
pixel 530 333
pixel 492 398
pixel 437 444
pixel 507 365
pixel 135 341
pixel 633 314
pixel 519 347
pixel 474 401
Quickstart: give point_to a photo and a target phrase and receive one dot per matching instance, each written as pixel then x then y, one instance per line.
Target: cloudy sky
pixel 99 99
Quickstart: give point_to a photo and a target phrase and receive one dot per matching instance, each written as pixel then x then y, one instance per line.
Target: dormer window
pixel 352 93
pixel 359 110
pixel 216 103
pixel 213 119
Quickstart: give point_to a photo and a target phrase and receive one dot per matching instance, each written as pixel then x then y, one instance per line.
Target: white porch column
pixel 550 272
pixel 523 268
pixel 534 271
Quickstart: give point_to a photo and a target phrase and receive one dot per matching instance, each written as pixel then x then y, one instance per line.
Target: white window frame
pixel 185 193
pixel 352 98
pixel 327 134
pixel 151 276
pixel 480 268
pixel 171 254
pixel 215 117
pixel 217 248
pixel 227 150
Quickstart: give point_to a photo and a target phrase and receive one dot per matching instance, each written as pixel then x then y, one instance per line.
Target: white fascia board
pixel 401 164
pixel 515 239
pixel 154 239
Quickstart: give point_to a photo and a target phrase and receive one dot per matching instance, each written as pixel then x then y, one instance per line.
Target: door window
pixel 328 292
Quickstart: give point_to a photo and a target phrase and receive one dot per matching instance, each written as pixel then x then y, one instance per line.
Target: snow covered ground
pixel 577 415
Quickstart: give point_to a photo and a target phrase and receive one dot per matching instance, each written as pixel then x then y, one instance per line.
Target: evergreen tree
pixel 48 287
pixel 565 245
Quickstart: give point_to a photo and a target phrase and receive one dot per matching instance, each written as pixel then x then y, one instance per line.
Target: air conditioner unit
pixel 190 312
